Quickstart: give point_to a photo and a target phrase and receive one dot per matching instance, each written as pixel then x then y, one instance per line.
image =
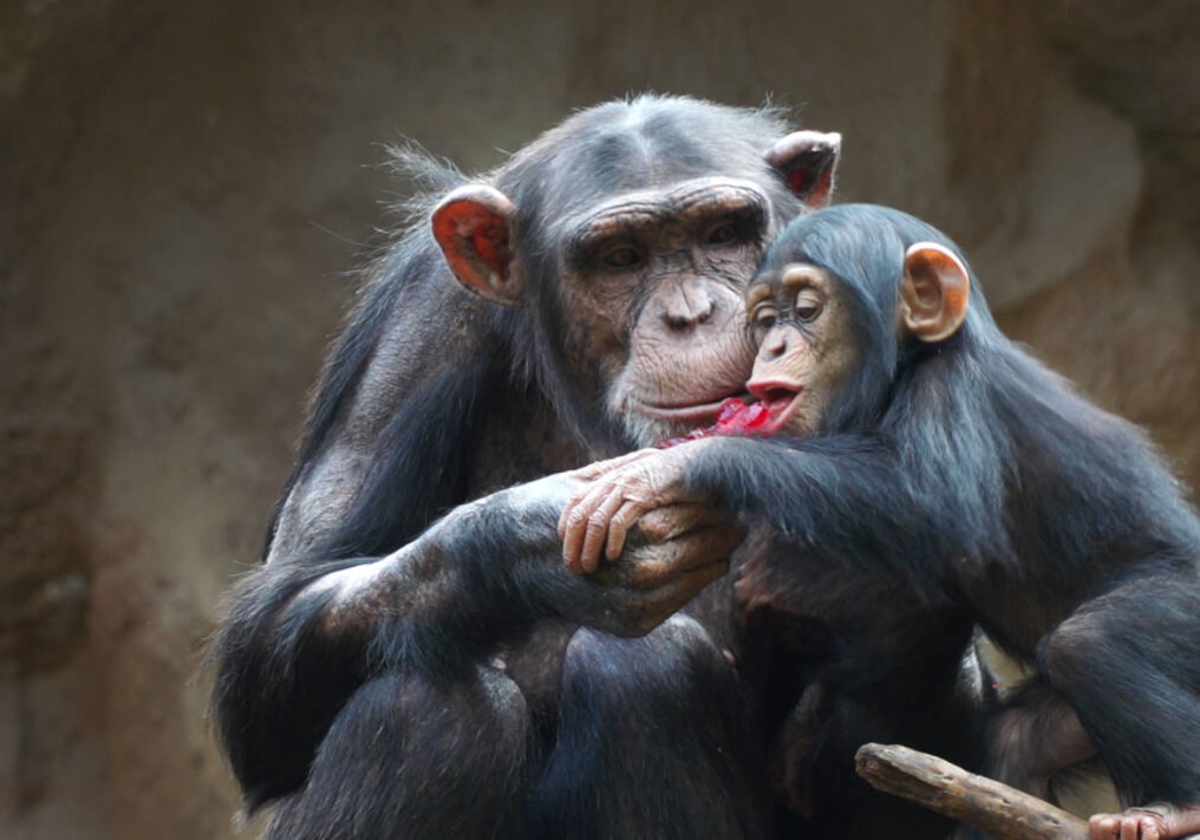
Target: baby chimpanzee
pixel 921 444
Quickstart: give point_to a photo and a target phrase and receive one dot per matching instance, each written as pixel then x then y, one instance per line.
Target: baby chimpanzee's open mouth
pixel 780 399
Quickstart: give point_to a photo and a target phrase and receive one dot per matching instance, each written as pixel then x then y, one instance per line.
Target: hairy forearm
pixel 410 605
pixel 810 489
pixel 480 578
pixel 472 581
pixel 840 497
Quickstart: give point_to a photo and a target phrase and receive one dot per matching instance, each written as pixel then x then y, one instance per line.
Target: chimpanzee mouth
pixel 695 413
pixel 780 399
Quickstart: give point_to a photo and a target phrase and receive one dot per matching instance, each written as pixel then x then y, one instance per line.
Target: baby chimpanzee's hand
pixel 619 491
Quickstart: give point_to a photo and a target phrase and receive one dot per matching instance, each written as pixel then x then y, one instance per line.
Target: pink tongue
pixel 735 418
pixel 730 409
pixel 757 415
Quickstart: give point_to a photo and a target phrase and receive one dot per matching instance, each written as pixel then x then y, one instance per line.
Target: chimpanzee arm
pixel 845 497
pixel 302 636
pixel 845 494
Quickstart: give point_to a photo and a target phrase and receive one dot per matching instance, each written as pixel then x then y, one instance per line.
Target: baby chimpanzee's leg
pixel 1128 662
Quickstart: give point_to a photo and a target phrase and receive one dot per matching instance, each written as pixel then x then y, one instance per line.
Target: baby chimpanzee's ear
pixel 933 292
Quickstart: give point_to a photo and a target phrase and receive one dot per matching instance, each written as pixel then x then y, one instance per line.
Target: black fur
pixel 969 470
pixel 385 715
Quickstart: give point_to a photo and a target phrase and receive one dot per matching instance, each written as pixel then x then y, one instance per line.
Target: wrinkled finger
pixel 596 531
pixel 572 547
pixel 669 521
pixel 577 522
pixel 569 514
pixel 618 528
pixel 602 469
pixel 1102 827
pixel 1129 828
pixel 575 519
pixel 573 514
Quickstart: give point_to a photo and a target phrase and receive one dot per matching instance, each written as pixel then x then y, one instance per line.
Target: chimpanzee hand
pixel 672 553
pixel 619 492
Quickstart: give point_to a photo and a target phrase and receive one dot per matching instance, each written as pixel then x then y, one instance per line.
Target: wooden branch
pixel 1003 812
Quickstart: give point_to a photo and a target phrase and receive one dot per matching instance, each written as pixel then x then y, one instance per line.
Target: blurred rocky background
pixel 183 187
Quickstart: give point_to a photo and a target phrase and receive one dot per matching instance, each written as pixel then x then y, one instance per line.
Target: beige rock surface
pixel 182 186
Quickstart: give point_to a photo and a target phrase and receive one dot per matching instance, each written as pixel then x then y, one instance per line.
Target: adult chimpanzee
pixel 381 676
pixel 946 456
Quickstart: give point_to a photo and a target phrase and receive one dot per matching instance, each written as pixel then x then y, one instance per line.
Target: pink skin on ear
pixel 935 292
pixel 808 161
pixel 471 225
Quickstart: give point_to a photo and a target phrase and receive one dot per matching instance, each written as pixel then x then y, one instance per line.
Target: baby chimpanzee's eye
pixel 809 306
pixel 764 319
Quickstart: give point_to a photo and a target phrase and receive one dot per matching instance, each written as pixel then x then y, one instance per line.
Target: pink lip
pixel 693 413
pixel 781 400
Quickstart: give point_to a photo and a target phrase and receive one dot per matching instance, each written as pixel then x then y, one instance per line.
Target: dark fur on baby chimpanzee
pixel 943 456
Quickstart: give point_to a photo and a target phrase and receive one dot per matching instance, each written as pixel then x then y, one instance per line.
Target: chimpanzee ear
pixel 933 292
pixel 472 224
pixel 808 161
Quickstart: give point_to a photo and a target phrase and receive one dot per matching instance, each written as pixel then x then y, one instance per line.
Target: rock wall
pixel 182 187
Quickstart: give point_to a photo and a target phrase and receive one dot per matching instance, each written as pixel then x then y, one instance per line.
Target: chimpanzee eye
pixel 622 258
pixel 808 306
pixel 807 313
pixel 722 234
pixel 764 318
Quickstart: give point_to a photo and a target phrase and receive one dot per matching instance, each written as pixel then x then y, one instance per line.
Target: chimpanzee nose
pixel 774 346
pixel 686 307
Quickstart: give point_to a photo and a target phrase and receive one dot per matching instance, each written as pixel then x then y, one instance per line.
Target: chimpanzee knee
pixel 668 706
pixel 1079 649
pixel 1121 644
pixel 408 757
pixel 1132 674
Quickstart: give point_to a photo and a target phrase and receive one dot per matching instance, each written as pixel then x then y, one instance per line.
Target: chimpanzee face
pixel 812 341
pixel 628 235
pixel 655 281
pixel 803 329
